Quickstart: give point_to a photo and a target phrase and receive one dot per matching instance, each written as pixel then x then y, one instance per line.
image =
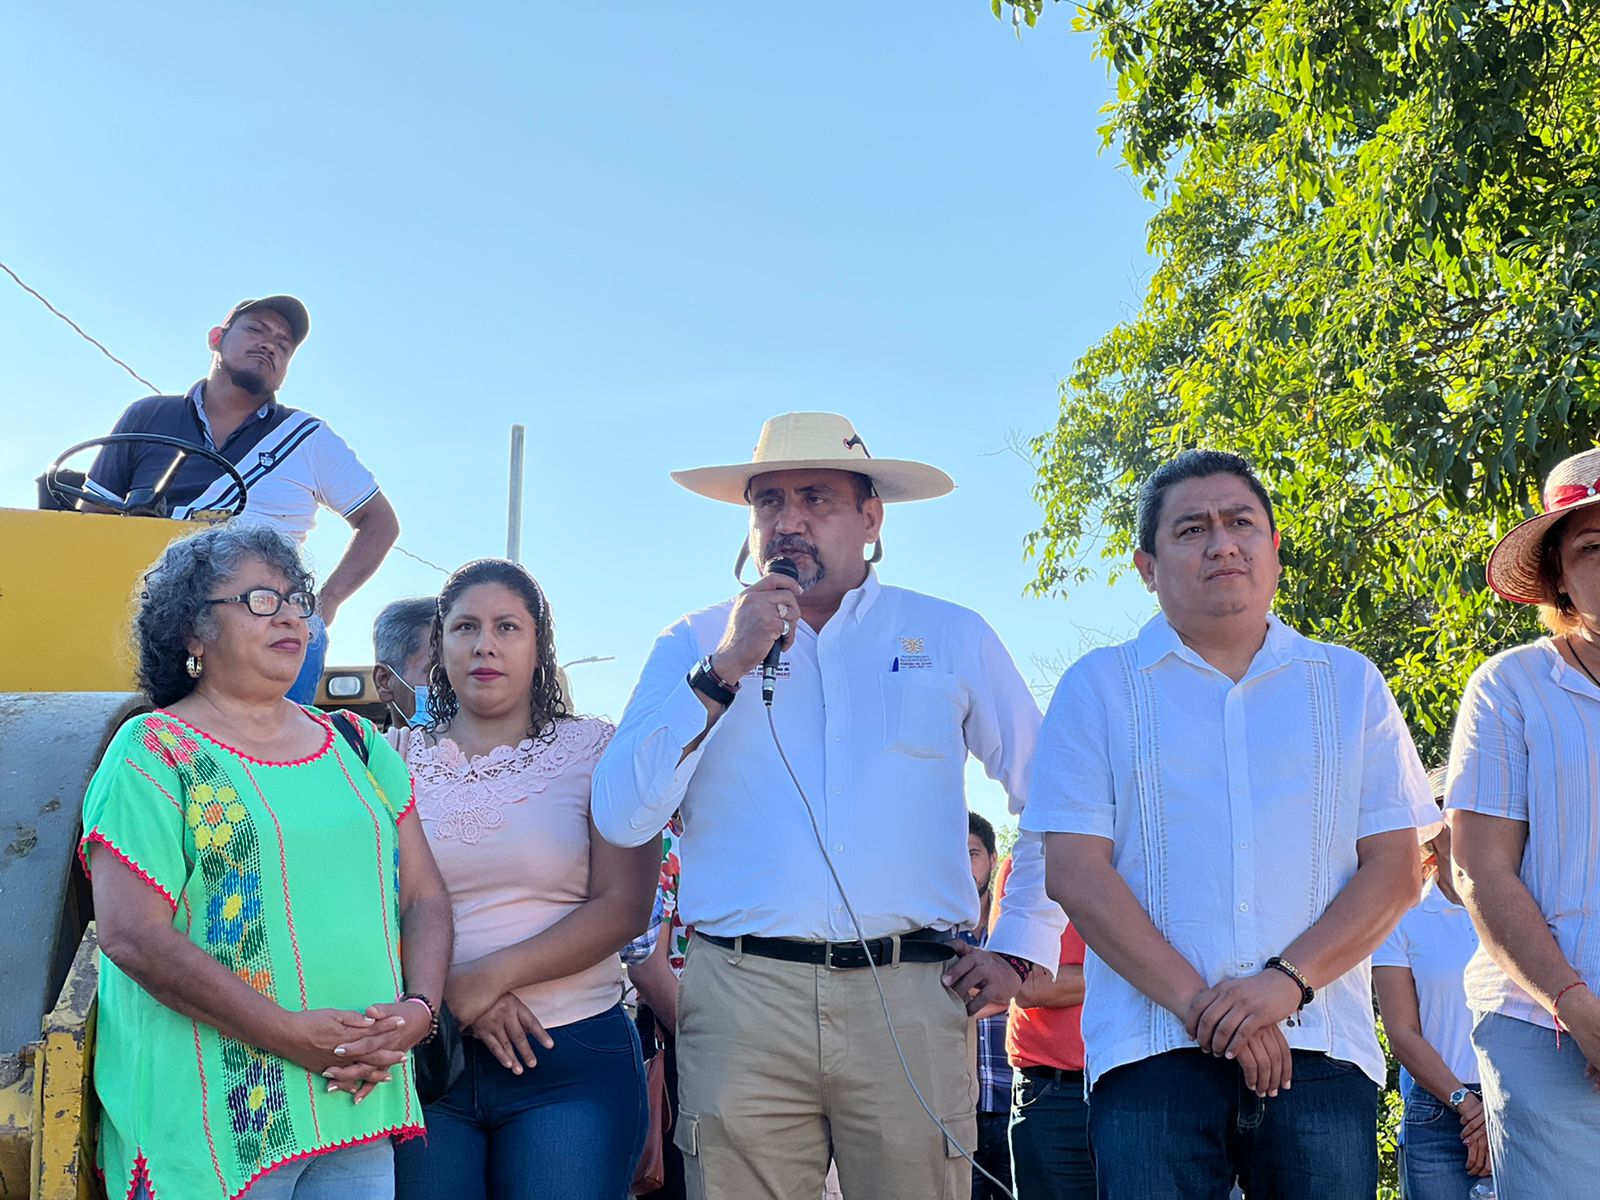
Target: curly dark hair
pixel 171 604
pixel 547 701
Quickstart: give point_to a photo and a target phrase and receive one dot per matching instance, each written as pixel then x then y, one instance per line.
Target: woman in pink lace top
pixel 552 1101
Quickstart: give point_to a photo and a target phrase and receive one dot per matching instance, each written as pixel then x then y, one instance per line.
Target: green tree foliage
pixel 1378 235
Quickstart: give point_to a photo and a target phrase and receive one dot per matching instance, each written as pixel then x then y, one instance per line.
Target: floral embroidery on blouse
pixel 462 799
pixel 227 850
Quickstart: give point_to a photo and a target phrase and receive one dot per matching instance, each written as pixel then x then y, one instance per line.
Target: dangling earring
pixel 194 666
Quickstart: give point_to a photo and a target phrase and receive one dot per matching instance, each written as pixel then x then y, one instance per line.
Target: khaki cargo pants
pixel 783 1064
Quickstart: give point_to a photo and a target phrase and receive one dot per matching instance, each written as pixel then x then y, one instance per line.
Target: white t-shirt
pixel 1437 939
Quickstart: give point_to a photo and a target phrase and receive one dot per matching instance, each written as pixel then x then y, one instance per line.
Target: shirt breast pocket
pixel 922 714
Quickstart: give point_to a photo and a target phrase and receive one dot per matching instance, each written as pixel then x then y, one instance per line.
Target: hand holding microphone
pixel 769 667
pixel 761 626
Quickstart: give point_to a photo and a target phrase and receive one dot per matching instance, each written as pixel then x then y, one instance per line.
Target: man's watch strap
pixel 704 679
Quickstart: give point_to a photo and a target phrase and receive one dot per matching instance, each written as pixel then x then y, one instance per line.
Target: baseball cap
pixel 287 307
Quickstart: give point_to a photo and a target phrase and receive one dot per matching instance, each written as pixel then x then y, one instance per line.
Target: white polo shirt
pixel 1234 810
pixel 1436 940
pixel 877 713
pixel 299 466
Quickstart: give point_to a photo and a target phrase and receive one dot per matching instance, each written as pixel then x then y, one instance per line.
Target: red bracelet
pixel 1555 1009
pixel 1021 966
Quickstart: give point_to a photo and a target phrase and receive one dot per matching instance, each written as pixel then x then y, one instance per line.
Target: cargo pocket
pixel 686 1134
pixel 686 1137
pixel 965 1129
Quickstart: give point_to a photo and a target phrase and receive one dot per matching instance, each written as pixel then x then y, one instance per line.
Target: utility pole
pixel 514 510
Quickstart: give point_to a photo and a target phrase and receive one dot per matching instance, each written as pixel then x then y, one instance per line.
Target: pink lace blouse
pixel 510 831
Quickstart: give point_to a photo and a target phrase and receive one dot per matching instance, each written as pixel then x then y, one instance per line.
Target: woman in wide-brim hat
pixel 1522 796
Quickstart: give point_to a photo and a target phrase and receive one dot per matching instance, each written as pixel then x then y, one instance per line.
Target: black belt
pixel 920 945
pixel 1051 1074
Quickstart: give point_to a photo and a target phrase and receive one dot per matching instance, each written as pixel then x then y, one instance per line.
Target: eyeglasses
pixel 265 602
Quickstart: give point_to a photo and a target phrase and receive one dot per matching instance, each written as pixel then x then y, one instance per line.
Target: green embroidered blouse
pixel 286 873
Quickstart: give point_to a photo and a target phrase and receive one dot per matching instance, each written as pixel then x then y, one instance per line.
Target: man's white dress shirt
pixel 877 714
pixel 1234 810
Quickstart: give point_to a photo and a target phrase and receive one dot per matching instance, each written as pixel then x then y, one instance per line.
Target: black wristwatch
pixel 703 679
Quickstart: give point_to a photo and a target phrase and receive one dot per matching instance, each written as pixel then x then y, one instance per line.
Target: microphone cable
pixel 861 938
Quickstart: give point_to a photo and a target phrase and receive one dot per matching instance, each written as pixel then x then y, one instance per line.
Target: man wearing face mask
pixel 882 693
pixel 400 654
pixel 292 462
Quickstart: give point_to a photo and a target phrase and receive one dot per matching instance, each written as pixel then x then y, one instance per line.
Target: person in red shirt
pixel 1044 1041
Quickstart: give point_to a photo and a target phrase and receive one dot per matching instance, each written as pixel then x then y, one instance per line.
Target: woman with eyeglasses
pixel 275 932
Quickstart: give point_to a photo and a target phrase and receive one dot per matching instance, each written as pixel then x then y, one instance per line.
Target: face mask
pixel 422 714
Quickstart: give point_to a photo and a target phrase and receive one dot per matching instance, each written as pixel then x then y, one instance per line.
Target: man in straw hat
pixel 783 1051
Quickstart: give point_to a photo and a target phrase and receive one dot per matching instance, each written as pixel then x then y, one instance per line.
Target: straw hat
pixel 1514 563
pixel 816 442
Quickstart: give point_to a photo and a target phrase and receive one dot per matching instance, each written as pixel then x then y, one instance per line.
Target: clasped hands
pixel 1240 1019
pixel 354 1051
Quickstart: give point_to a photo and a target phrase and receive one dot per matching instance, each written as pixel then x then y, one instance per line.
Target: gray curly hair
pixel 172 604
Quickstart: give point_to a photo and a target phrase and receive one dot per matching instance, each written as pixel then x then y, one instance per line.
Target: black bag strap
pixel 351 729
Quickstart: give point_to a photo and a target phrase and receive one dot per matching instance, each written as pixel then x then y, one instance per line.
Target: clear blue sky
pixel 639 229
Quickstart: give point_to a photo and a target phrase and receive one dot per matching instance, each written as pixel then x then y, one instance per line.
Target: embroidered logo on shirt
pixel 911 656
pixel 266 458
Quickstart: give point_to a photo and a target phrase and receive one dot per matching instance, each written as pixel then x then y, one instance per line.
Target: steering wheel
pixel 148 501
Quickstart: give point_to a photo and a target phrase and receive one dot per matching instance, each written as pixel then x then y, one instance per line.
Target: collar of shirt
pixel 197 397
pixel 858 601
pixel 1563 674
pixel 1158 639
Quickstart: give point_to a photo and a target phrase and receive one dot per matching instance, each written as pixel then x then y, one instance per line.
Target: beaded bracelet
pixel 433 1016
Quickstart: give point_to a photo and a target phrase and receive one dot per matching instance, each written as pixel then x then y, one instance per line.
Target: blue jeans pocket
pixel 609 1033
pixel 1423 1107
pixel 1028 1092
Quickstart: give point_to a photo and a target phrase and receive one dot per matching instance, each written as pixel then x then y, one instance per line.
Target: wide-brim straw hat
pixel 816 441
pixel 1513 568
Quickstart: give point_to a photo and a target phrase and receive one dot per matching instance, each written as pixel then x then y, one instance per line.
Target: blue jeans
pixel 1182 1125
pixel 304 688
pixel 364 1172
pixel 993 1153
pixel 1050 1138
pixel 570 1128
pixel 1436 1157
pixel 1543 1118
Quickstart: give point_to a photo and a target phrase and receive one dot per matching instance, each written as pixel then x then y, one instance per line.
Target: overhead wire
pixel 78 329
pixel 100 346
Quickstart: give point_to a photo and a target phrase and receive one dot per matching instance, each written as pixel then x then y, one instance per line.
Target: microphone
pixel 769 669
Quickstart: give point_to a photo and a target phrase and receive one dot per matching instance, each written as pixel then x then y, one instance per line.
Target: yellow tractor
pixel 67 581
